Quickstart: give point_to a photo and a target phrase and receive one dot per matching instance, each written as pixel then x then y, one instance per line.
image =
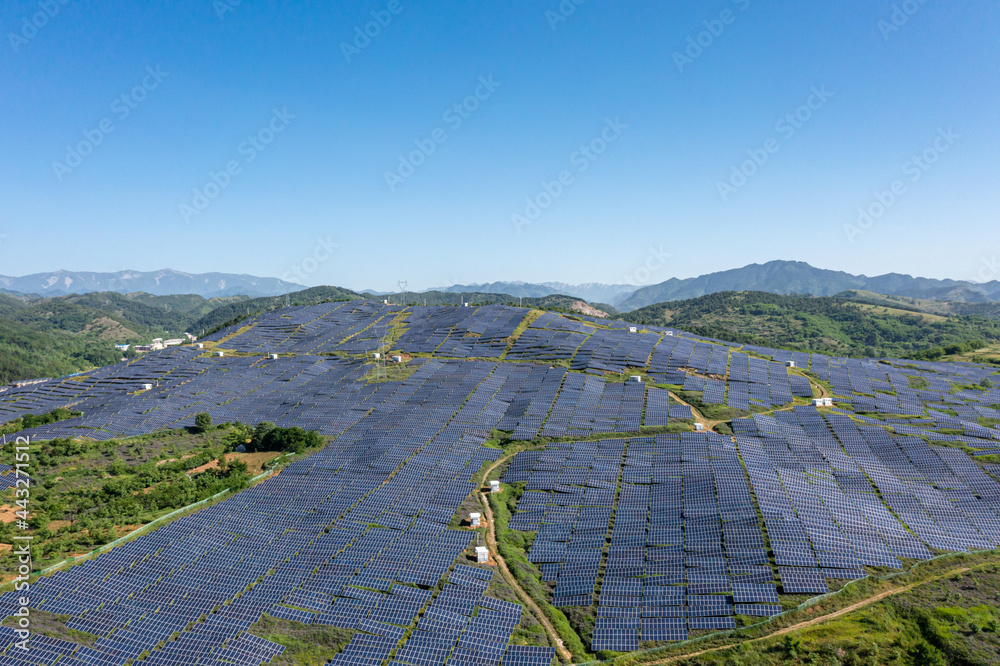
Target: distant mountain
pixel 592 292
pixel 796 277
pixel 159 283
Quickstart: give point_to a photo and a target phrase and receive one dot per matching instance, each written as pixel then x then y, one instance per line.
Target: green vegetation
pixel 90 493
pixel 947 308
pixel 268 437
pixel 830 325
pixel 34 420
pixel 711 412
pixel 305 645
pixel 202 422
pixel 54 626
pixel 59 336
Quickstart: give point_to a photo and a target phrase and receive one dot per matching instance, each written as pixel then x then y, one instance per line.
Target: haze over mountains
pixel 777 277
pixel 159 283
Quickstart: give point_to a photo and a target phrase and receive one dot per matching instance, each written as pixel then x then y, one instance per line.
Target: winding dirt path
pixel 708 423
pixel 814 621
pixel 491 543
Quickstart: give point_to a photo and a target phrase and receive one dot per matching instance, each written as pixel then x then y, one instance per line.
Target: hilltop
pixel 845 325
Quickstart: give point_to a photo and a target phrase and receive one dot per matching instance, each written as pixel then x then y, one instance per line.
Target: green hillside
pixel 51 337
pixel 191 304
pixel 831 325
pixel 948 308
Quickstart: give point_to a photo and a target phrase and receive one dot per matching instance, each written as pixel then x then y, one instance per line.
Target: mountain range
pixel 159 283
pixel 775 277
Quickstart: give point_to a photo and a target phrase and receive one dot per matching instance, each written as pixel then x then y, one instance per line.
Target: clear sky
pixel 115 117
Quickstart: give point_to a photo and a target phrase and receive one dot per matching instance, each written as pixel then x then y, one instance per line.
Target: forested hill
pixel 58 336
pixel 51 337
pixel 832 325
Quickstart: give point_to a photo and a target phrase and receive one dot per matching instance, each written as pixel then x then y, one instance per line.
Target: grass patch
pixel 305 645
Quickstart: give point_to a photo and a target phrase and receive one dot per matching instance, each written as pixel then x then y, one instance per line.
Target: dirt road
pixel 491 543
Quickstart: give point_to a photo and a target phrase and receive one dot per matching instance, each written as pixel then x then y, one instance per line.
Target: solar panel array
pixel 659 535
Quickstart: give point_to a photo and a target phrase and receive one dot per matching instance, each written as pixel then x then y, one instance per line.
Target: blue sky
pixel 309 128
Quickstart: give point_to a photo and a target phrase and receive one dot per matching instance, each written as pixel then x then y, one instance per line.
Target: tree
pixel 268 437
pixel 202 422
pixel 925 654
pixel 293 439
pixel 791 646
pixel 238 435
pixel 259 435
